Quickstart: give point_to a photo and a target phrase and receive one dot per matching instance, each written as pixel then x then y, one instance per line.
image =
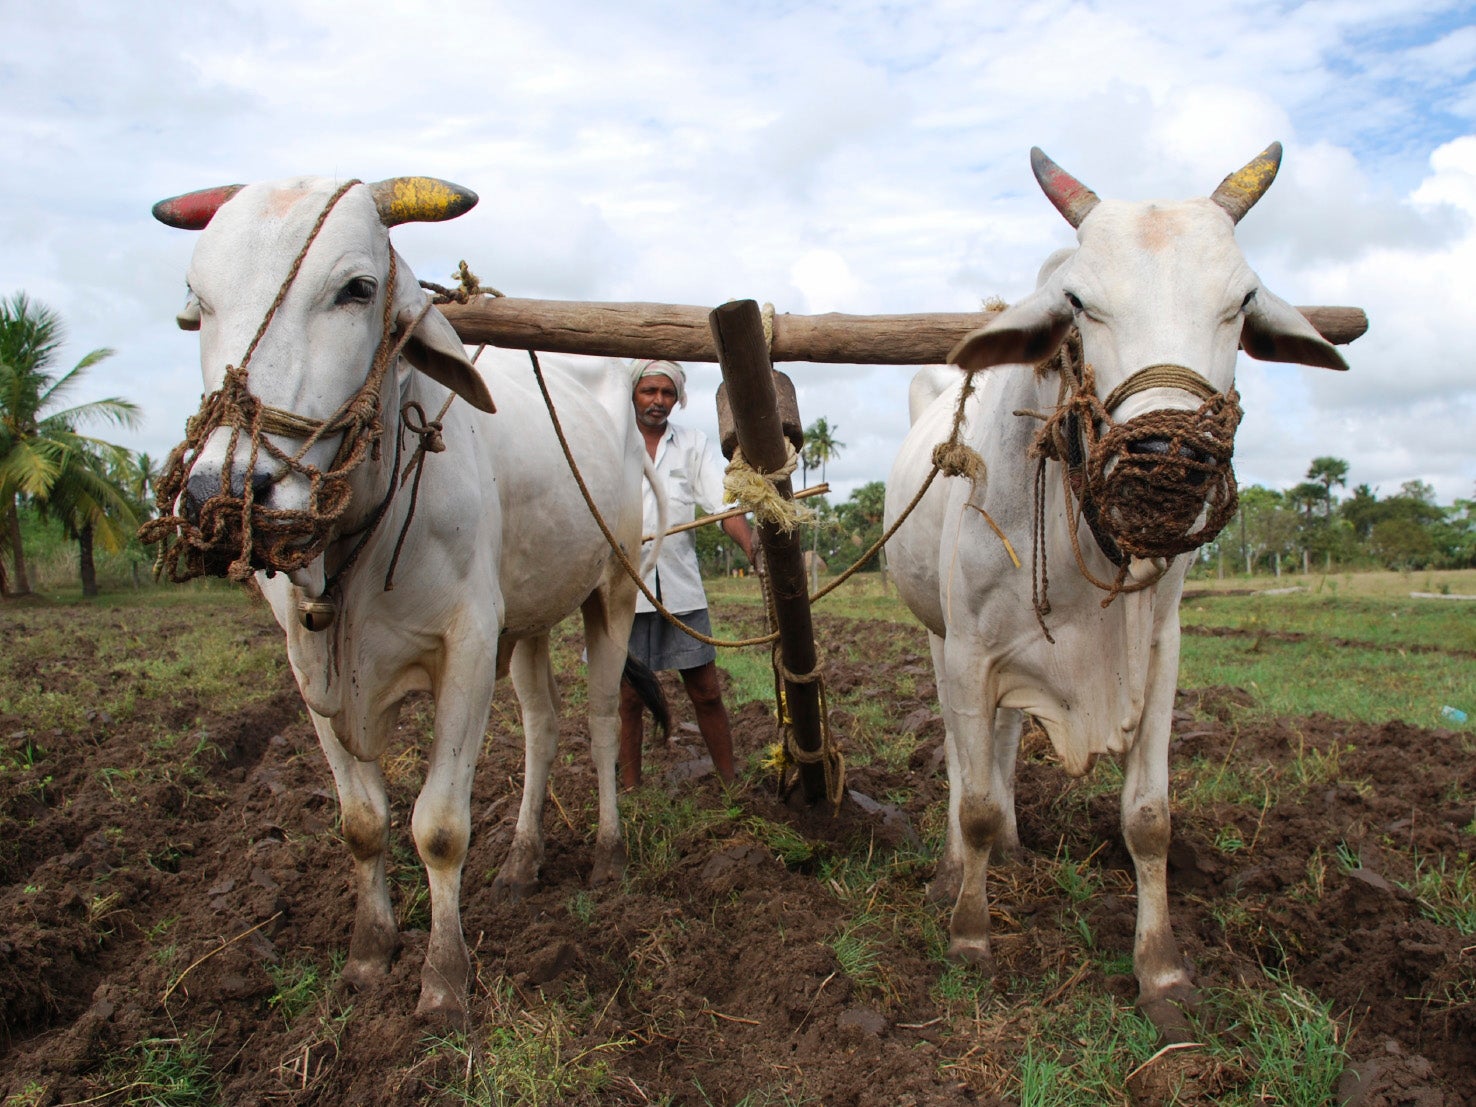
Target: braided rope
pixel 759 492
pixel 276 539
pixel 1136 504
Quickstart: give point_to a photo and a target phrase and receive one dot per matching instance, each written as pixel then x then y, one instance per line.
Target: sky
pixel 862 157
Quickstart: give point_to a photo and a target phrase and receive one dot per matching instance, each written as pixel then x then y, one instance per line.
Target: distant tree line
pixel 1306 528
pixel 1309 528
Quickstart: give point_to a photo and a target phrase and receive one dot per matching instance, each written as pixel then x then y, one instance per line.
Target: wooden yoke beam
pixel 683 333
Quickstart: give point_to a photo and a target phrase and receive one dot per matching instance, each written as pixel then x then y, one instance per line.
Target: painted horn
pixel 1072 198
pixel 1238 192
pixel 420 200
pixel 194 210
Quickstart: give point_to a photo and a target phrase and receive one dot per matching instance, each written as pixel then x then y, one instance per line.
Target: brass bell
pixel 316 615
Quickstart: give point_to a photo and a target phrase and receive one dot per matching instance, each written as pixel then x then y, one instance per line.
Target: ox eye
pixel 1074 301
pixel 360 290
pixel 1249 299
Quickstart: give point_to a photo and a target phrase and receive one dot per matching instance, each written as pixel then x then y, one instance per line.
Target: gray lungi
pixel 660 645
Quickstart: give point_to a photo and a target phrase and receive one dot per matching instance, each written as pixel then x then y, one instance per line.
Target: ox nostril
pixel 1159 447
pixel 204 486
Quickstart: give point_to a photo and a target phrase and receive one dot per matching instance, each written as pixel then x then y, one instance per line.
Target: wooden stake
pixel 738 337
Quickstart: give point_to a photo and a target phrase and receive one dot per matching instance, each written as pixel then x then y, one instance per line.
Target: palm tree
pixel 1328 471
pixel 90 498
pixel 821 446
pixel 38 442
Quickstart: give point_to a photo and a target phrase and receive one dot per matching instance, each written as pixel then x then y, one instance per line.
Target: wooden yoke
pixel 683 333
pixel 738 339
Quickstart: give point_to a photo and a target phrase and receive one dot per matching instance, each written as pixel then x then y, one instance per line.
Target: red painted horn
pixel 1072 198
pixel 194 210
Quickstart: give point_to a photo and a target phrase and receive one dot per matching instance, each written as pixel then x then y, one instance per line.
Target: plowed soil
pixel 151 908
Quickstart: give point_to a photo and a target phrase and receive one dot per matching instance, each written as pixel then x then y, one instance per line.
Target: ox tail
pixel 658 486
pixel 640 677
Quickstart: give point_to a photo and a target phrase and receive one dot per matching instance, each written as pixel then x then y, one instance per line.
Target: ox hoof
pixel 972 951
pixel 506 889
pixel 359 975
pixel 609 868
pixel 943 890
pixel 441 1010
pixel 1170 1013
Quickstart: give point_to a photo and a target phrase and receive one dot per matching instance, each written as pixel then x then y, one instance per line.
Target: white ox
pixel 496 549
pixel 1150 284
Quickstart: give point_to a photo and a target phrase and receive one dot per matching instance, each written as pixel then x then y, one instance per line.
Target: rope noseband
pixel 230 524
pixel 1141 485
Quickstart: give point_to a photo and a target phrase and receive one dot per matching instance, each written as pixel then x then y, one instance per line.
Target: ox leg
pixel 982 817
pixel 1164 986
pixel 1008 723
pixel 532 677
pixel 606 635
pixel 441 824
pixel 949 876
pixel 364 807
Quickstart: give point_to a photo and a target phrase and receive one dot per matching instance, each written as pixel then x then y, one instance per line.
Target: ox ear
pixel 1030 331
pixel 436 350
pixel 1276 331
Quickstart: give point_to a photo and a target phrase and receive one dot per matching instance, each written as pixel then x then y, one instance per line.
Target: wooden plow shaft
pixel 738 337
pixel 683 333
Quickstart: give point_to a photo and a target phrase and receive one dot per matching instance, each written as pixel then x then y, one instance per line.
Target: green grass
pixel 1371 653
pixel 164 1072
pixel 204 654
pixel 1447 891
pixel 525 1057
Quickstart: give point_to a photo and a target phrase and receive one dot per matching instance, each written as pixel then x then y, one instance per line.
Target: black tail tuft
pixel 640 677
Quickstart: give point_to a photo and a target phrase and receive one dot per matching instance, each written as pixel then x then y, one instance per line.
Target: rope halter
pixel 233 535
pixel 1143 484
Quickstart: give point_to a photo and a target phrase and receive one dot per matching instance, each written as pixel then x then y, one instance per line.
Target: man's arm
pixel 739 530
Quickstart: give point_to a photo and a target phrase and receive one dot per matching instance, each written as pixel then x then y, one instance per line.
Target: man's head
pixel 656 388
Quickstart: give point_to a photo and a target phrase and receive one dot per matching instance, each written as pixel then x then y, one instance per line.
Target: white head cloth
pixel 657 368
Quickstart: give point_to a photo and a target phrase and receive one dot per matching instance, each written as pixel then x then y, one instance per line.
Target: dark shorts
pixel 661 646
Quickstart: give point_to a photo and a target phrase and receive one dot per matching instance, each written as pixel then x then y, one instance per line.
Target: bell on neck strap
pixel 316 615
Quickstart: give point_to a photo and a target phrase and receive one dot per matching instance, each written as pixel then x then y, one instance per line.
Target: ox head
pixel 298 332
pixel 1162 299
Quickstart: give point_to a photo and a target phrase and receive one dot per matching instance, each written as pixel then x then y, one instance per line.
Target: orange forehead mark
pixel 1157 228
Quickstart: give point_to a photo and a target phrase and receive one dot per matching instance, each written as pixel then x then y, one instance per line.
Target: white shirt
pixel 693 474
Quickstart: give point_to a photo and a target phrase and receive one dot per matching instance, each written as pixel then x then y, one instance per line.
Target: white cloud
pixel 864 158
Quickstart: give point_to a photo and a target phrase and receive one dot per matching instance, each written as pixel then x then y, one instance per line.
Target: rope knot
pixel 432 441
pixel 955 459
pixel 759 493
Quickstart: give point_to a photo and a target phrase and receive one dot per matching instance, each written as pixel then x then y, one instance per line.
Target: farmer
pixel 693 475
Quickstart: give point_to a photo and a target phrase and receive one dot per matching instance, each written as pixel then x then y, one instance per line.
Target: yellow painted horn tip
pixel 425 200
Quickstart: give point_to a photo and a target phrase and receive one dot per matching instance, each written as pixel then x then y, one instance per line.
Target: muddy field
pixel 147 906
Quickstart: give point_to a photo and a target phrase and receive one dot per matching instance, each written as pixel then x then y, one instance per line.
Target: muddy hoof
pixel 509 890
pixel 610 869
pixel 358 975
pixel 972 951
pixel 1171 1017
pixel 441 1011
pixel 943 889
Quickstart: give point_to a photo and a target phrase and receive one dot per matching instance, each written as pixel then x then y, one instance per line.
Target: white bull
pixel 1149 285
pixel 495 549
